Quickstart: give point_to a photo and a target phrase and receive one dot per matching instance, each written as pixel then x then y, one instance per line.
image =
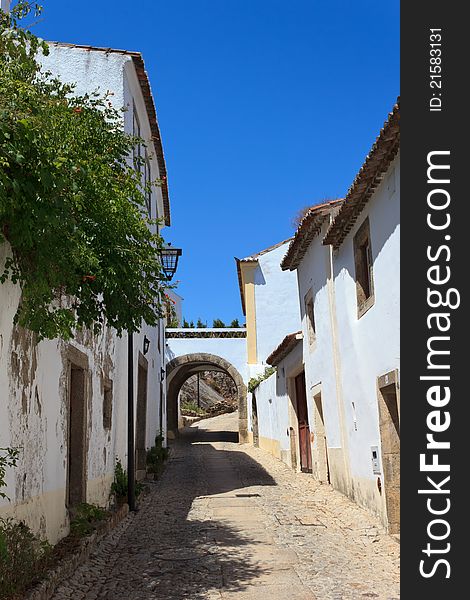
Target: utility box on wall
pixel 374 450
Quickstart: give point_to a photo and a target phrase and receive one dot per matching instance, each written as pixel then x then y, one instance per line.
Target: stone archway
pixel 182 367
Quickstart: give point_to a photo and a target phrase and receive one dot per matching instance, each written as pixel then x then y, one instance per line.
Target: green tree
pixel 185 324
pixel 72 207
pixel 218 323
pixel 200 324
pixel 235 323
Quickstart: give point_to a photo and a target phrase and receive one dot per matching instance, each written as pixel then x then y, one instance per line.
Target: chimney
pixel 5 5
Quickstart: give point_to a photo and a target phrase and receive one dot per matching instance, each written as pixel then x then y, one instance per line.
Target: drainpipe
pixel 130 423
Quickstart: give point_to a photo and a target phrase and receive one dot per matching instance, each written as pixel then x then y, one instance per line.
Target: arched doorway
pixel 182 367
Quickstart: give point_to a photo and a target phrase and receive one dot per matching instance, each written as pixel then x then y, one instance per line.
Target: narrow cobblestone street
pixel 231 522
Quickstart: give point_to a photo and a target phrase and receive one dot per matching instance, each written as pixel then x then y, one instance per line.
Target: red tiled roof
pixel 308 228
pixel 367 180
pixel 284 348
pixel 151 113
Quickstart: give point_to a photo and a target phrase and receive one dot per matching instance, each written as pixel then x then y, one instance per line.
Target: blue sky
pixel 264 107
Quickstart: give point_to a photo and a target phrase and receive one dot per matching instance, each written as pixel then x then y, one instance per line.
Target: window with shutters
pixel 364 270
pixel 107 404
pixel 310 315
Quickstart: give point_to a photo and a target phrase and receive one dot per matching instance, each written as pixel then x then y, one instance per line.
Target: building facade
pixel 332 408
pixel 64 404
pixel 269 303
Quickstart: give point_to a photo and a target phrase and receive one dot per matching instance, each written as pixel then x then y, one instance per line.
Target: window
pixel 363 265
pixel 147 180
pixel 136 133
pixel 142 163
pixel 310 315
pixel 108 404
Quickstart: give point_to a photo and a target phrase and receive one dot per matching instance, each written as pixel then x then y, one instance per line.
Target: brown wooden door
pixel 141 420
pixel 77 438
pixel 304 429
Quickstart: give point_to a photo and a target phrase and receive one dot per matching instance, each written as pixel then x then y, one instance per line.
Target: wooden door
pixel 390 436
pixel 304 429
pixel 77 438
pixel 141 421
pixel 322 468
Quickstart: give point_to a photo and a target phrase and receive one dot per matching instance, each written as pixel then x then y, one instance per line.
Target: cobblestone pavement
pixel 231 522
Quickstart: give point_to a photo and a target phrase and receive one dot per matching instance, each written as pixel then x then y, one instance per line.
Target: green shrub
pixel 119 485
pixel 72 204
pixel 24 557
pixel 191 407
pixel 255 381
pixel 156 456
pixel 218 324
pixel 8 458
pixel 86 519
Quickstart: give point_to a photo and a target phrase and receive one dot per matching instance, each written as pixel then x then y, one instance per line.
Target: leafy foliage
pixel 8 458
pixel 86 519
pixel 255 381
pixel 156 456
pixel 72 203
pixel 235 323
pixel 119 485
pixel 201 324
pixel 23 557
pixel 192 409
pixel 170 312
pixel 218 323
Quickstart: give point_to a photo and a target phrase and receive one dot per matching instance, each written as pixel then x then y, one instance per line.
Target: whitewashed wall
pixel 33 407
pixel 34 418
pixel 321 364
pixel 178 304
pixel 370 346
pixel 274 407
pixel 231 349
pixel 276 302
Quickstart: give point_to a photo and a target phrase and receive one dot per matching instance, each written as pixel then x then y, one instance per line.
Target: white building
pixel 333 409
pixel 270 303
pixel 365 237
pixel 64 404
pixel 301 354
pixel 176 302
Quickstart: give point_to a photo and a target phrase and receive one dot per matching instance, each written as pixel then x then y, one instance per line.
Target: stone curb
pixel 46 589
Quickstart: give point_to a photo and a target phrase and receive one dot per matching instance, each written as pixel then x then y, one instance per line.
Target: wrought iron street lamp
pixel 169 257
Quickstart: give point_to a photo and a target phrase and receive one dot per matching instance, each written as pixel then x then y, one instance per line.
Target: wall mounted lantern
pixel 146 345
pixel 169 257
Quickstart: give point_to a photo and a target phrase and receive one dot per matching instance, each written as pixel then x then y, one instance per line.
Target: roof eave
pixel 155 131
pixel 309 227
pixel 381 155
pixel 288 344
